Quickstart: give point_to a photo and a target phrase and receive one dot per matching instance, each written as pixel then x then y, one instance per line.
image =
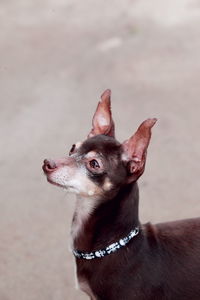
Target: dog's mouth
pixel 54 183
pixel 47 173
pixel 68 188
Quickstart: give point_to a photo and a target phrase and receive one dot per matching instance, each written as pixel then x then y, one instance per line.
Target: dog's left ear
pixel 102 122
pixel 135 149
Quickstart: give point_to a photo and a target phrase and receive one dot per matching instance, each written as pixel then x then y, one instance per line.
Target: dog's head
pixel 100 165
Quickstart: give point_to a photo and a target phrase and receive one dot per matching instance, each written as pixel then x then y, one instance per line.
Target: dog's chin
pixel 56 183
pixel 69 189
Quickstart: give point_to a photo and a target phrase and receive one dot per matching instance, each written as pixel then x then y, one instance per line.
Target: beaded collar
pixel 108 250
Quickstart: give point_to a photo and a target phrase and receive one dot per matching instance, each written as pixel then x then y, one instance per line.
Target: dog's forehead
pixel 100 143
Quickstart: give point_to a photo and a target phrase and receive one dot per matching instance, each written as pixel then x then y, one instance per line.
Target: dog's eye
pixel 94 164
pixel 72 149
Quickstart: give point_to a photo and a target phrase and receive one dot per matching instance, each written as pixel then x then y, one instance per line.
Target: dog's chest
pixel 85 287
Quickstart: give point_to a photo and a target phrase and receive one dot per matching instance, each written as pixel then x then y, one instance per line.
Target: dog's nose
pixel 49 165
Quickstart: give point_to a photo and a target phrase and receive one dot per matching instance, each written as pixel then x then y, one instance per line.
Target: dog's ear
pixel 135 149
pixel 102 122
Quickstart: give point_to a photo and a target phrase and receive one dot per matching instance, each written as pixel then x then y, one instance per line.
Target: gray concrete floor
pixel 56 58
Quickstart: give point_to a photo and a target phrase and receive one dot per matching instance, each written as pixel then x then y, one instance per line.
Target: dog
pixel 118 258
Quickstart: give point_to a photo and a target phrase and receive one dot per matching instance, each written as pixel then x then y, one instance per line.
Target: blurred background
pixel 56 58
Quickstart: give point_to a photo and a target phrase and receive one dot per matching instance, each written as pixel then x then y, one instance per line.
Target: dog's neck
pixel 97 224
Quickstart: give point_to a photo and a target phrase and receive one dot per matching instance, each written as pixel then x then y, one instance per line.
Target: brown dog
pixel 117 258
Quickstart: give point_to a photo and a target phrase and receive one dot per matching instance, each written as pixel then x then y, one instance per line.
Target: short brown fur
pixel 163 261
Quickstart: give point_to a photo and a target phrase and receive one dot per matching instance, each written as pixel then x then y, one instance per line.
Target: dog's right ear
pixel 135 149
pixel 102 122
